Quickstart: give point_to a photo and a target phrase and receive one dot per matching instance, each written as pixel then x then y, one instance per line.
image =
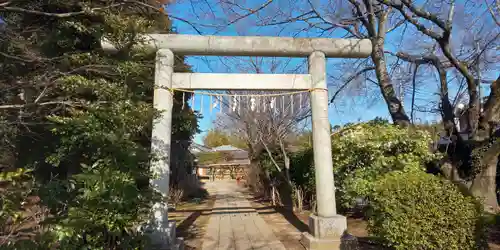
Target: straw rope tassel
pixel 273 104
pixel 217 101
pixel 264 105
pixel 252 103
pixel 211 104
pixel 291 103
pixel 283 105
pixel 249 103
pixel 192 102
pixel 257 105
pixel 300 101
pixel 220 103
pixel 239 105
pixel 183 100
pixel 201 104
pixel 234 104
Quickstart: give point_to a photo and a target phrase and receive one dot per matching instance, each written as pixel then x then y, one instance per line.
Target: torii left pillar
pixel 163 230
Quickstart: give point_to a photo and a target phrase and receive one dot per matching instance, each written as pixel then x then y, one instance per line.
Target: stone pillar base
pixel 167 240
pixel 327 227
pixel 178 244
pixel 175 243
pixel 311 243
pixel 325 232
pixel 346 242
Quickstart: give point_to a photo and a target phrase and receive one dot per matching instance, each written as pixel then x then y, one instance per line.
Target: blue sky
pixel 360 106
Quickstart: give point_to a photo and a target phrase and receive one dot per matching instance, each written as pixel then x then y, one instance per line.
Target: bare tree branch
pixel 250 12
pixel 368 23
pixel 67 103
pixel 349 80
pixel 425 14
pixel 412 117
pixel 444 43
pixel 4 7
pixel 492 12
pixel 410 19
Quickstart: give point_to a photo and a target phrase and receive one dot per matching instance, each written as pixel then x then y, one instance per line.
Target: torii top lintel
pixel 256 45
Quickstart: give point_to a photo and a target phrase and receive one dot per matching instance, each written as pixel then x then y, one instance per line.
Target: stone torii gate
pixel 326 226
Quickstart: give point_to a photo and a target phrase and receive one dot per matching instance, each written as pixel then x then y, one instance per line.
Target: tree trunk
pixel 273 195
pixel 394 105
pixel 491 116
pixel 287 170
pixel 473 111
pixel 484 186
pixel 446 107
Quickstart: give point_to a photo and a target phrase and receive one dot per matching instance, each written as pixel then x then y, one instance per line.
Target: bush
pixel 416 210
pixel 364 152
pixel 20 212
pixel 302 170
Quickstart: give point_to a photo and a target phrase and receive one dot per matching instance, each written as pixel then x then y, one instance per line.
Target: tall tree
pixel 412 43
pixel 374 17
pixel 478 156
pixel 81 118
pixel 215 138
pixel 218 137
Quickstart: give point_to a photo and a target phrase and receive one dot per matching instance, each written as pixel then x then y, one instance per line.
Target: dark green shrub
pixel 365 152
pixel 361 154
pixel 89 145
pixel 415 210
pixel 302 169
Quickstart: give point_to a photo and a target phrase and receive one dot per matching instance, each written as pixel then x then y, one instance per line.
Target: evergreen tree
pixel 80 119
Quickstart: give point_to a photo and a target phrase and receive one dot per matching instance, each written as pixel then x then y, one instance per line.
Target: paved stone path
pixel 234 224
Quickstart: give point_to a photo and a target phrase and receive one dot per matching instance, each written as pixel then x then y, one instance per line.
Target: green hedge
pixel 362 153
pixel 415 210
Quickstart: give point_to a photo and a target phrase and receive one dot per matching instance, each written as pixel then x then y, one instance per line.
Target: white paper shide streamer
pixel 252 103
pixel 274 103
pixel 235 103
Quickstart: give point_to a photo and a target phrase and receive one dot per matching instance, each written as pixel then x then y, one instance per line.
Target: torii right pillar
pixel 326 227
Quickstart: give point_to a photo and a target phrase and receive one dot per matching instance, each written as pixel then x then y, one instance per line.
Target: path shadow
pixel 209 211
pixel 364 243
pixel 189 229
pixel 185 224
pixel 289 215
